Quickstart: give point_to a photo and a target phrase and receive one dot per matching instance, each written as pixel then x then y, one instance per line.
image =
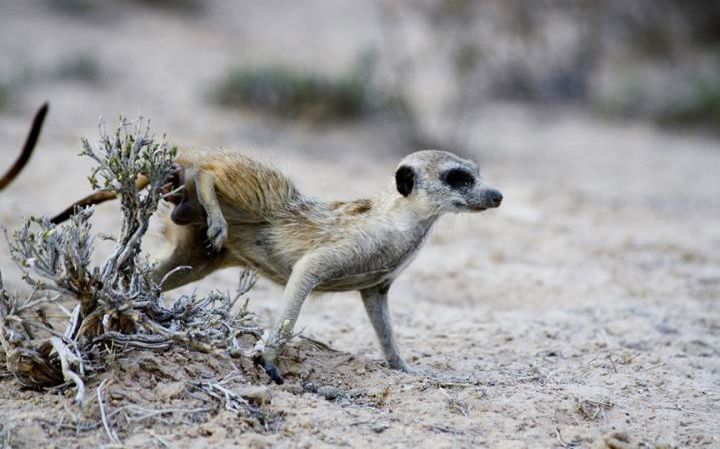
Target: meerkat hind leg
pixel 192 254
pixel 376 305
pixel 375 300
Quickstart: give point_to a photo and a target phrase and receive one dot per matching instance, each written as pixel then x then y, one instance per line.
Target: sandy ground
pixel 588 304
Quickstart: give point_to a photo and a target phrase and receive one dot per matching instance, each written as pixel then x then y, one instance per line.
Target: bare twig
pixel 141 413
pixel 591 409
pixel 559 437
pixel 106 422
pixel 68 359
pixel 8 427
pixel 231 400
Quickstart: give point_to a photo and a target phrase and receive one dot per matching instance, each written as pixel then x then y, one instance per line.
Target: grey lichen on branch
pixel 118 305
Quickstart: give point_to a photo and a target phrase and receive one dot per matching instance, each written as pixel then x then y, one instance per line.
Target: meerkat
pixel 253 216
pixel 236 211
pixel 27 148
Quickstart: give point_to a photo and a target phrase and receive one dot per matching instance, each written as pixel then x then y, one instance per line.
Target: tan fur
pixel 242 183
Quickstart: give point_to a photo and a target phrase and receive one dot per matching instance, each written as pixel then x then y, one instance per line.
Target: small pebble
pixel 330 393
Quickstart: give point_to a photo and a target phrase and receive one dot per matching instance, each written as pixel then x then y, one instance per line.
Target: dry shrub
pixel 113 309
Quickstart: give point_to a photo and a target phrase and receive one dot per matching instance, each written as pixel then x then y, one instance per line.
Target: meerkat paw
pixel 266 356
pixel 271 370
pixel 401 365
pixel 217 232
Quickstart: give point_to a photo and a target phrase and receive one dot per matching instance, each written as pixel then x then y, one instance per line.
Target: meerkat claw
pixel 401 365
pixel 274 373
pixel 270 369
pixel 217 233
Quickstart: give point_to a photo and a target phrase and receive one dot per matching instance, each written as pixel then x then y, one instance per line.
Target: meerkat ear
pixel 405 180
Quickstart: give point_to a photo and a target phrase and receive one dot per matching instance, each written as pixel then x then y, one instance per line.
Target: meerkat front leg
pixel 217 226
pixel 375 300
pixel 307 273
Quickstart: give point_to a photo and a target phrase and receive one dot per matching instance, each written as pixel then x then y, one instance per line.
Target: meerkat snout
pixel 479 200
pixel 495 197
pixel 491 197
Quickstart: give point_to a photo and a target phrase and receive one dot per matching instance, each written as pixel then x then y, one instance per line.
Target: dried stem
pixel 106 422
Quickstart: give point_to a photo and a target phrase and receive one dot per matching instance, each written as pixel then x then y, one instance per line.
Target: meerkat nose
pixel 495 198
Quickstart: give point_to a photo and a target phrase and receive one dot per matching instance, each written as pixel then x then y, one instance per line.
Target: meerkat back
pixel 248 191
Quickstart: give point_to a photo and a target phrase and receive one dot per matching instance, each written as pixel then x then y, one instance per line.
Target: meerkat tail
pixel 94 199
pixel 27 149
pixel 90 200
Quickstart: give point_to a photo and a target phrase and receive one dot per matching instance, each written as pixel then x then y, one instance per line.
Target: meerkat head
pixel 444 182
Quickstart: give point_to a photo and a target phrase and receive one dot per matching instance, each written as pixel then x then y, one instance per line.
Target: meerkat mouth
pixel 469 207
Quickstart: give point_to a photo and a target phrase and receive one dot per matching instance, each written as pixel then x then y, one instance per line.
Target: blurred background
pixel 598 120
pixel 420 72
pixel 430 65
pixel 348 81
pixel 597 112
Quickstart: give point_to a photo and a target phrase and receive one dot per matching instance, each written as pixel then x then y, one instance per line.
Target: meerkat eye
pixel 458 178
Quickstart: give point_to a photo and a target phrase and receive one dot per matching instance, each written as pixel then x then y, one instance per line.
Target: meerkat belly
pixel 363 275
pixel 249 246
pixel 383 263
pixel 353 282
pixel 362 260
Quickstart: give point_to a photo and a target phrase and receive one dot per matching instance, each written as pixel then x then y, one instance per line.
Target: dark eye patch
pixel 458 178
